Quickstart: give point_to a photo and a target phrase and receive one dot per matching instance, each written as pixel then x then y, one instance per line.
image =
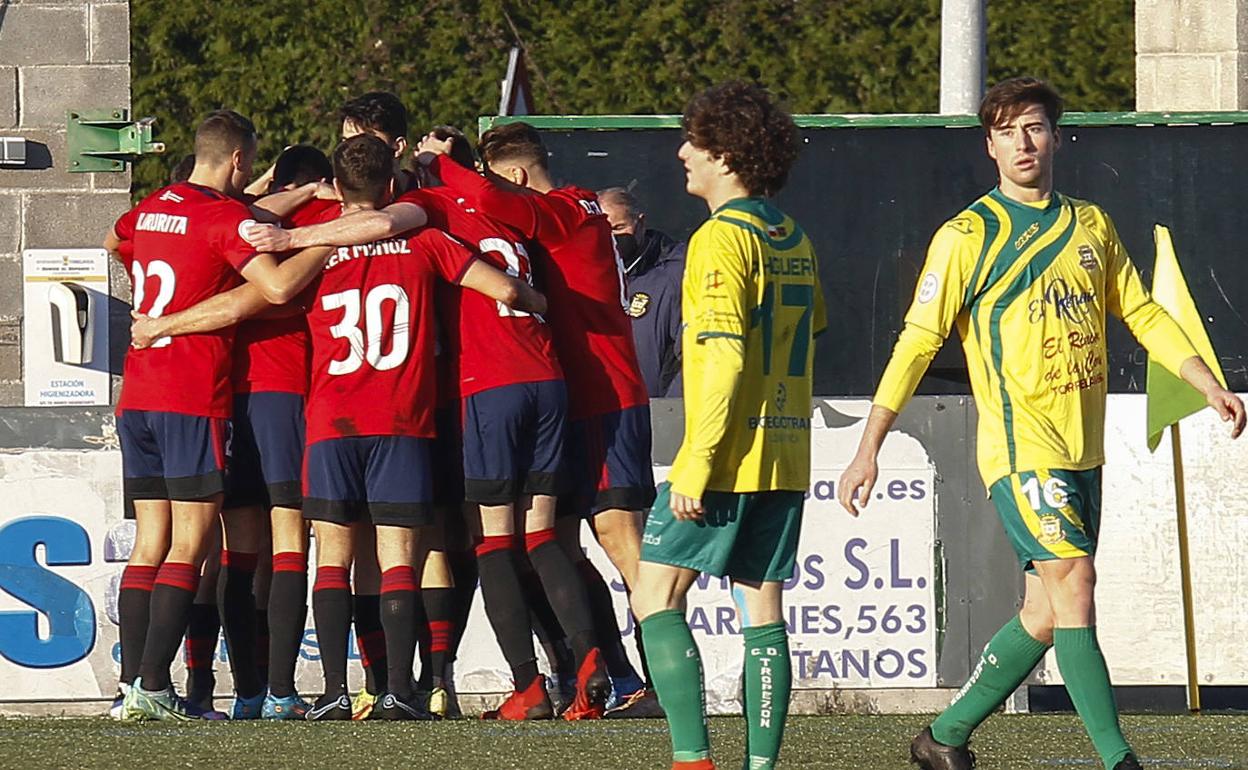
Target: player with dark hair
pixel 182 169
pixel 514 407
pixel 298 165
pixel 373 464
pixel 608 454
pixel 513 395
pixel 992 271
pixel 183 244
pixel 383 115
pixel 732 504
pixel 263 492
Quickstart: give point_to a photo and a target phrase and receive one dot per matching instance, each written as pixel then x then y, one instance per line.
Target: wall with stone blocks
pixel 1191 55
pixel 54 56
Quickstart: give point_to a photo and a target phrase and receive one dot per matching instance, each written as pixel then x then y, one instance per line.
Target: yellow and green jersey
pixel 751 304
pixel 1028 286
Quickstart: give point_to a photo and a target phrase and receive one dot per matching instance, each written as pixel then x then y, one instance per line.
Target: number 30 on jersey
pixel 365 343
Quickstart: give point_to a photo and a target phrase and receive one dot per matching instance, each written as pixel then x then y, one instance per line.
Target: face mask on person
pixel 627 247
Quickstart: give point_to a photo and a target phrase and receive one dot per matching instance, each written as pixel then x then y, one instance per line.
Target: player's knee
pixel 1038 621
pixel 619 535
pixel 186 553
pixel 149 551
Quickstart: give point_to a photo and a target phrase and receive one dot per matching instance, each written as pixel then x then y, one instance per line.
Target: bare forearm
pixel 351 230
pixel 225 309
pixel 295 273
pixel 279 205
pixel 1196 372
pixel 879 422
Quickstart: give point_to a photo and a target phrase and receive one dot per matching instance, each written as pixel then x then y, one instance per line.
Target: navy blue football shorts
pixel 266 451
pixel 170 456
pixel 388 479
pixel 608 460
pixel 513 441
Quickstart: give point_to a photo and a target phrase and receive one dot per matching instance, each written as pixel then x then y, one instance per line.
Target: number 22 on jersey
pixel 167 282
pixel 518 266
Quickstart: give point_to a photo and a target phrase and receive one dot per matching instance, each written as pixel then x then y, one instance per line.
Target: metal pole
pixel 1185 574
pixel 963 56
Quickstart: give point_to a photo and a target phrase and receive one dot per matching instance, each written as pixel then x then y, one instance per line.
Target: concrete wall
pixel 54 56
pixel 1191 55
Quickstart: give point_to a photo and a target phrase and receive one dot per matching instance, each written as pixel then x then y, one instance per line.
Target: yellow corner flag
pixel 1170 399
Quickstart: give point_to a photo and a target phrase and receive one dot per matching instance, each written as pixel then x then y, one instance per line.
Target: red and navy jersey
pixel 494 344
pixel 271 355
pixel 186 245
pixel 584 283
pixel 373 336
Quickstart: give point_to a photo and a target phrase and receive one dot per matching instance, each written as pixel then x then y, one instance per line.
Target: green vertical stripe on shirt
pixel 1035 268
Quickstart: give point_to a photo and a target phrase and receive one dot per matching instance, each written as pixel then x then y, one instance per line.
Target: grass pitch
pixel 828 743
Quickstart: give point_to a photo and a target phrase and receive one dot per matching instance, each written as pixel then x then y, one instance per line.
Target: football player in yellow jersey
pixel 1027 275
pixel 732 506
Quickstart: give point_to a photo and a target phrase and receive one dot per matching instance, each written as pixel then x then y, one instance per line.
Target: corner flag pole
pixel 1185 571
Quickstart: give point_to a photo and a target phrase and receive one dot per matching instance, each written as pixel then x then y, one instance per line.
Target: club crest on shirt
pixel 639 304
pixel 782 397
pixel 1087 259
pixel 714 279
pixel 1051 532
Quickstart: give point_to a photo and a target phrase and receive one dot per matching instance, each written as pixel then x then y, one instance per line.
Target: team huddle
pixel 431 366
pixel 372 388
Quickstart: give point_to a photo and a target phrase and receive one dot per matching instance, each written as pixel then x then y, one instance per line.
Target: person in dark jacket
pixel 654 264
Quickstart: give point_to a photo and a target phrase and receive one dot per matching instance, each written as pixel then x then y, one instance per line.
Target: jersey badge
pixel 927 289
pixel 1051 532
pixel 714 280
pixel 777 232
pixel 782 397
pixel 639 304
pixel 1087 259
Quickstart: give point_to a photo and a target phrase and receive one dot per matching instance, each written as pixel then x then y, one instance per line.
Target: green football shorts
pixel 1050 514
pixel 749 536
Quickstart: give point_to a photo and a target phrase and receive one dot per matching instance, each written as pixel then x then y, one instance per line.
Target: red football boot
pixel 530 703
pixel 593 687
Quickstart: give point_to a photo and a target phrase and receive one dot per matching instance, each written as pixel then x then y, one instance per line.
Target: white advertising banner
pixel 860 604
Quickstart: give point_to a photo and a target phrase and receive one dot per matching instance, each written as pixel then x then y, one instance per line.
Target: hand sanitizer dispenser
pixel 71 307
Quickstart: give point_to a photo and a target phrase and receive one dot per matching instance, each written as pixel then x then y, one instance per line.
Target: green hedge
pixel 289 65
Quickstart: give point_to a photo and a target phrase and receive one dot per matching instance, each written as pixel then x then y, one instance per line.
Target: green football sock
pixel 768 680
pixel 1087 680
pixel 676 672
pixel 1006 661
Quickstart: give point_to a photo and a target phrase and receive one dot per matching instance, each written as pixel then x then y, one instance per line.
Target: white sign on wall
pixel 75 275
pixel 860 605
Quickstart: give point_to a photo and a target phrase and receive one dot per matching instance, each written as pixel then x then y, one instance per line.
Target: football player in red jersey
pixel 182 244
pixel 370 416
pixel 382 115
pixel 513 408
pixel 263 494
pixel 609 434
pixel 513 413
pixel 269 378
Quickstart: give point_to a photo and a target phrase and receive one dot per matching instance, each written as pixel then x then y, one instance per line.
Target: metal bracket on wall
pixel 105 140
